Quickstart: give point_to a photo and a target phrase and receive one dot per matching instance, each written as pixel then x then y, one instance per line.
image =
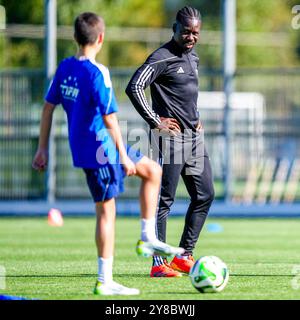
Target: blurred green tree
pixel 256 17
pixel 129 13
pixel 255 20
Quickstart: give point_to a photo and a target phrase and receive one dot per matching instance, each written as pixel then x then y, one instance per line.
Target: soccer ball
pixel 209 274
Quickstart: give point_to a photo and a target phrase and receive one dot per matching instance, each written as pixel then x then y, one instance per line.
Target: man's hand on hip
pixel 199 126
pixel 169 125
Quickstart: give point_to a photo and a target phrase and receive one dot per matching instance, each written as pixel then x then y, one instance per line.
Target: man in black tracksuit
pixel 177 135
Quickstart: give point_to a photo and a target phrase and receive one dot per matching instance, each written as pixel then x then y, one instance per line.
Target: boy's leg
pixel 105 239
pixel 103 194
pixel 105 228
pixel 150 174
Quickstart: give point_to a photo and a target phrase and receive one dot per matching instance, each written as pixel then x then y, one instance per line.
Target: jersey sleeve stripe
pixel 162 60
pixel 109 101
pixel 139 89
pixel 143 93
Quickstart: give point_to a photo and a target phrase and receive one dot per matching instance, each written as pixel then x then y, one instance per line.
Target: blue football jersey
pixel 84 89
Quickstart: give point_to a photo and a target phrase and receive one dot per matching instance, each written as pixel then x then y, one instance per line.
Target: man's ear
pixel 174 27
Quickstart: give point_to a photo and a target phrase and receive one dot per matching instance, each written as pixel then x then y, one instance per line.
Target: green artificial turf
pixel 46 262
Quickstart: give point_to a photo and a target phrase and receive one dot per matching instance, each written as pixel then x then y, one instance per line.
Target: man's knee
pixel 211 194
pixel 206 197
pixel 165 201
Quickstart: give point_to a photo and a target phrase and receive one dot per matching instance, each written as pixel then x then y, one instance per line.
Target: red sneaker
pixel 182 265
pixel 164 270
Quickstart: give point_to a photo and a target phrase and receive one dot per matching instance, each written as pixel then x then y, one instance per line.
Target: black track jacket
pixel 173 78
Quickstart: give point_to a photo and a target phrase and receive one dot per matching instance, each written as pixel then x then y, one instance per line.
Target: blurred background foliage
pixel 256 19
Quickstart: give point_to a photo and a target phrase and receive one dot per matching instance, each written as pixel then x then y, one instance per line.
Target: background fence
pixel 265 158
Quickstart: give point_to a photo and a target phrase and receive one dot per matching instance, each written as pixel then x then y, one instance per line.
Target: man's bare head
pixel 187 27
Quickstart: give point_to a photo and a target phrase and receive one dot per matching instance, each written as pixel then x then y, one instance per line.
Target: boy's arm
pixel 112 125
pixel 40 159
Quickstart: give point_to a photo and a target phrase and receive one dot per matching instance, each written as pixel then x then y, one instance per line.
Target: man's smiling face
pixel 186 33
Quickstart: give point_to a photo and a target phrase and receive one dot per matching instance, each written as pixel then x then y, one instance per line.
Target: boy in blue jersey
pixel 84 89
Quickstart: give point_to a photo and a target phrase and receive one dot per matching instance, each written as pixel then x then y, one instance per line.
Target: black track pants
pixel 196 172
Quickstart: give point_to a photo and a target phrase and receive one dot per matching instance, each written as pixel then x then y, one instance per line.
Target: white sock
pixel 105 269
pixel 148 229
